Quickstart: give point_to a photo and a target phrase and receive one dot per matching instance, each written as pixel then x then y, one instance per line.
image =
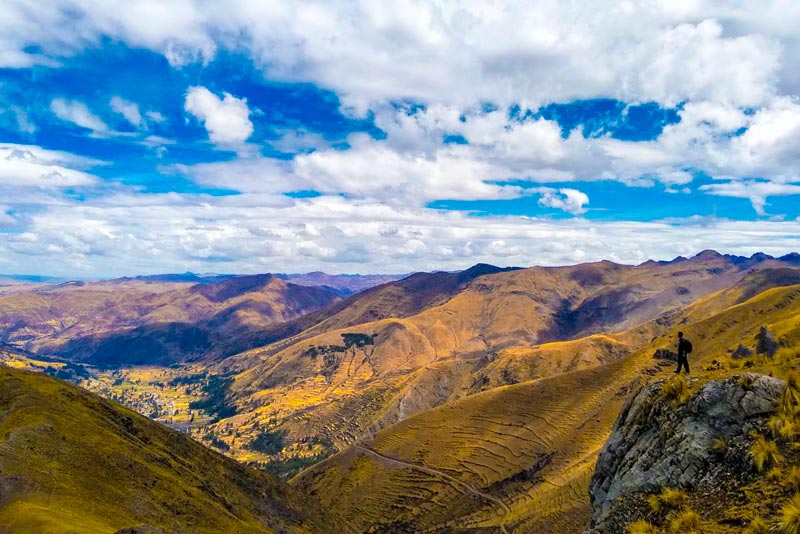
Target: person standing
pixel 684 348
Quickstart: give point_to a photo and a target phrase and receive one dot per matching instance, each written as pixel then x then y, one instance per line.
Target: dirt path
pixel 441 474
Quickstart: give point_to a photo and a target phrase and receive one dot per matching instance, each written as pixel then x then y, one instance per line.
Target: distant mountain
pixel 127 323
pixel 343 284
pixel 72 462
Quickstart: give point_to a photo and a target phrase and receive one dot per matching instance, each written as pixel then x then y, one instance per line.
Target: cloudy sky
pixel 365 136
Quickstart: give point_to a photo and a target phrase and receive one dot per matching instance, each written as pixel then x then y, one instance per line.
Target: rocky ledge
pixel 659 442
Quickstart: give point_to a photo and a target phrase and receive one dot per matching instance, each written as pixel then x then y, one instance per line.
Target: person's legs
pixel 686 363
pixel 680 364
pixel 683 362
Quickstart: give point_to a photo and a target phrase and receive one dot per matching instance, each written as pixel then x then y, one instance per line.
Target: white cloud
pixel 33 166
pixel 77 113
pixel 226 119
pixel 129 110
pixel 570 200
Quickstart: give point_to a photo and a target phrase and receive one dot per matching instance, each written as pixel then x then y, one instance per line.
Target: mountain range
pixel 474 401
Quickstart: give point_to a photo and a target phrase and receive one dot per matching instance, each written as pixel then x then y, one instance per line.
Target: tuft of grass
pixel 783 425
pixel 746 381
pixel 775 474
pixel 735 363
pixel 790 516
pixel 792 478
pixel 764 453
pixel 685 522
pixel 668 499
pixel 641 527
pixel 676 390
pixel 719 446
pixel 790 397
pixel 757 526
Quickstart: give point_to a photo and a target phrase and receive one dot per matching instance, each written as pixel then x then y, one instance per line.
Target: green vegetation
pixel 270 443
pixel 215 404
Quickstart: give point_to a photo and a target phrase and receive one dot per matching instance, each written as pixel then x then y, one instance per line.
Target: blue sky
pixel 153 138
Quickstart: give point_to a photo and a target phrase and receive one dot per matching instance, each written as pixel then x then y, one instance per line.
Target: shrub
pixel 764 453
pixel 641 527
pixel 676 390
pixel 790 516
pixel 757 526
pixel 687 521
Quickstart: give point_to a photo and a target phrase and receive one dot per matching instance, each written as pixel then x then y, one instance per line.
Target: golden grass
pixel 676 390
pixel 686 522
pixel 641 527
pixel 757 526
pixel 764 453
pixel 790 516
pixel 668 499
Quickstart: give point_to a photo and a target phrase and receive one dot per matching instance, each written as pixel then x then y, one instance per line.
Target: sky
pixel 366 136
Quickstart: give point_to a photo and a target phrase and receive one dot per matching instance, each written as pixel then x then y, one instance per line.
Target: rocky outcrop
pixel 665 354
pixel 655 444
pixel 741 352
pixel 766 342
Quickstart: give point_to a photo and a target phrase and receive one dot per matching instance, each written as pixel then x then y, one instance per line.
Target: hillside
pixel 74 463
pixel 520 458
pixel 138 322
pixel 498 328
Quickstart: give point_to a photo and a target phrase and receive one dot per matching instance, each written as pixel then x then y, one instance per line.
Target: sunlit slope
pixel 522 455
pixel 496 330
pixel 73 463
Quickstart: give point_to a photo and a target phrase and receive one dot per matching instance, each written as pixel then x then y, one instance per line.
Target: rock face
pixel 665 354
pixel 655 444
pixel 766 343
pixel 741 352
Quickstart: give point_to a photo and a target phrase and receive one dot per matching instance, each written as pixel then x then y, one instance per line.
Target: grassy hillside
pixel 497 329
pixel 519 458
pixel 74 463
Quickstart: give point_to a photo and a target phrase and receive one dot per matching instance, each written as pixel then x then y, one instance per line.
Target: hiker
pixel 684 348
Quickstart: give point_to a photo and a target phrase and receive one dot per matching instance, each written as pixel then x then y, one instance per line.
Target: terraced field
pixel 519 458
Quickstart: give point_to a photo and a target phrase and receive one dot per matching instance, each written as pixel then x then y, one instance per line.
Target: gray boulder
pixel 665 354
pixel 654 444
pixel 741 352
pixel 766 343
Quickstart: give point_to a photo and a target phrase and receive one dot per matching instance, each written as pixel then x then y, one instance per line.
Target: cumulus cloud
pixel 33 166
pixel 226 119
pixel 77 113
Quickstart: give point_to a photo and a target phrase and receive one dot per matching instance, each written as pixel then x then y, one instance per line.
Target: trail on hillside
pixel 432 471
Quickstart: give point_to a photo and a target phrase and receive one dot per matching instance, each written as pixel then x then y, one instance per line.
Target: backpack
pixel 687 345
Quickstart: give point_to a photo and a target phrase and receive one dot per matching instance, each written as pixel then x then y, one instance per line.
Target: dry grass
pixel 676 390
pixel 764 453
pixel 668 499
pixel 757 526
pixel 641 527
pixel 686 522
pixel 790 516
